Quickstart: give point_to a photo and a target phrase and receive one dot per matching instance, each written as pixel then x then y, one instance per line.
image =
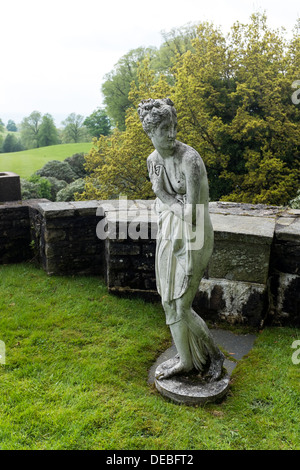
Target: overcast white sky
pixel 55 54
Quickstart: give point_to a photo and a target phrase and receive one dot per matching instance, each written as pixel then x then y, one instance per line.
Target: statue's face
pixel 164 135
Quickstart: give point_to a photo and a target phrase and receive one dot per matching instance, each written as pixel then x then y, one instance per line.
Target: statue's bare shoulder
pixel 153 157
pixel 192 162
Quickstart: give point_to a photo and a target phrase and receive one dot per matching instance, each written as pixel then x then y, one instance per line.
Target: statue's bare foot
pixel 179 368
pixel 216 366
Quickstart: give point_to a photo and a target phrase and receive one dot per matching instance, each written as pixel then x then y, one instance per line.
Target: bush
pixel 56 186
pixel 295 203
pixel 29 190
pixel 77 163
pixel 35 187
pixel 68 193
pixel 58 170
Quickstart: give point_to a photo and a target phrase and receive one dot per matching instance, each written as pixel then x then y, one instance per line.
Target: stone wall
pixel 15 232
pixel 285 269
pixel 252 278
pixel 66 240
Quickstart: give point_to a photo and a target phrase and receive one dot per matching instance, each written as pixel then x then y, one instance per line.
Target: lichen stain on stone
pixel 235 296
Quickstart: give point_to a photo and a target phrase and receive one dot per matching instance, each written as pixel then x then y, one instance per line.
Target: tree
pixel 117 84
pixel 176 42
pixel 47 133
pixel 11 144
pixel 11 126
pixel 98 123
pixel 73 128
pixel 30 130
pixel 233 99
pixel 117 163
pixel 1 131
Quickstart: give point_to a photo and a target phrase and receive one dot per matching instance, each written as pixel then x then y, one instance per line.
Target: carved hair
pixel 153 112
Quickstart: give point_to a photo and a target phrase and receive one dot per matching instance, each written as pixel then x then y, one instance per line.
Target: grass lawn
pixel 26 162
pixel 77 362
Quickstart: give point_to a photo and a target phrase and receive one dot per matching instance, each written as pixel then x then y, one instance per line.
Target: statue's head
pixel 153 112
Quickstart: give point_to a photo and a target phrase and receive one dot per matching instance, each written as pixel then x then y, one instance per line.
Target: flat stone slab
pixel 288 229
pixel 257 229
pixel 235 345
pixel 199 392
pixel 190 389
pixel 240 208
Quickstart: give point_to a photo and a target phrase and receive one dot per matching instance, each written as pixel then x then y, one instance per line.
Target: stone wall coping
pixel 5 174
pixel 261 227
pixel 17 204
pixel 288 229
pixel 259 221
pixel 68 209
pixel 245 209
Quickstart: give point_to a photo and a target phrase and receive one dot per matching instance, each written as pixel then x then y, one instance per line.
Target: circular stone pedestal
pixel 190 389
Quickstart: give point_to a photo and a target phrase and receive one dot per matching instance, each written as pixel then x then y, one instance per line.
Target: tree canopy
pixel 98 123
pixel 118 81
pixel 1 131
pixel 73 130
pixel 116 86
pixel 11 126
pixel 233 95
pixel 30 129
pixel 48 134
pixel 11 144
pixel 38 130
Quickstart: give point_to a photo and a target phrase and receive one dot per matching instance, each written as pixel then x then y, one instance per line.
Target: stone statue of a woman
pixel 179 180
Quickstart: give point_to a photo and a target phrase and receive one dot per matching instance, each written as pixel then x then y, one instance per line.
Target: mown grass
pixel 25 163
pixel 77 361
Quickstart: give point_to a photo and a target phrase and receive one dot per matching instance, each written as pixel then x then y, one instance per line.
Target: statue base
pixel 190 389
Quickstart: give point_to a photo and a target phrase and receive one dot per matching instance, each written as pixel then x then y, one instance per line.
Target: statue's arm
pixel 156 177
pixel 192 172
pixel 193 177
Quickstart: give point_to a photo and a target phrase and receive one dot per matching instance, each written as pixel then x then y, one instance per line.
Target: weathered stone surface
pixel 284 299
pixel 237 288
pixel 255 261
pixel 130 265
pixel 232 301
pixel 288 229
pixel 65 234
pixel 10 187
pixel 237 345
pixel 285 257
pixel 190 389
pixel 238 261
pixel 242 247
pixel 284 281
pixel 14 233
pixel 244 209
